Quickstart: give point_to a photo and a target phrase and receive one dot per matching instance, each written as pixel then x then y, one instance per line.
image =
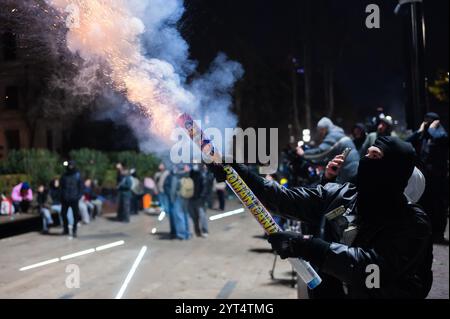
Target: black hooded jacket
pixel 392 234
pixel 71 186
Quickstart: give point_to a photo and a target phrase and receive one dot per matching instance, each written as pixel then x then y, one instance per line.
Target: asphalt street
pixel 137 260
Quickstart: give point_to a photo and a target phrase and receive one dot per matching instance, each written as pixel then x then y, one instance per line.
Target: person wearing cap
pixel 334 142
pixel 431 144
pixel 384 128
pixel 22 195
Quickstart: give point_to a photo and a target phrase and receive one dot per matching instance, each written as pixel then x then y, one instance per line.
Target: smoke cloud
pixel 135 48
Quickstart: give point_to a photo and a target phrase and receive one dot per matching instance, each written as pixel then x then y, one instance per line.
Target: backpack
pixel 136 187
pixel 7 207
pixel 186 187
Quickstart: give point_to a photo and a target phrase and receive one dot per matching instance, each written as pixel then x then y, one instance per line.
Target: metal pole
pixel 416 105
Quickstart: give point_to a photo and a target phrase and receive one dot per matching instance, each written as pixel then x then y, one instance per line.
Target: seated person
pixel 22 195
pixel 43 202
pixel 91 199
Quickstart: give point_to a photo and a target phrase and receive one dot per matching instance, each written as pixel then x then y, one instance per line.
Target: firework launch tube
pixel 246 196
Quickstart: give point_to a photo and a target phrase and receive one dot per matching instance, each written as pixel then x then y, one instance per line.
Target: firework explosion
pixel 106 34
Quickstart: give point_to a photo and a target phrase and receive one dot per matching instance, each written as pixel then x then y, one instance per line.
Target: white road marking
pixel 231 213
pixel 107 246
pixel 47 262
pixel 74 255
pixel 78 254
pixel 131 273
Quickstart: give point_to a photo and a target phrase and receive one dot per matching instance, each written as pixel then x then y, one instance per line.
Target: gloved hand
pixel 289 244
pixel 295 245
pixel 217 170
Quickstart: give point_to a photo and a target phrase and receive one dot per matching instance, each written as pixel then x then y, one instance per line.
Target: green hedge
pixel 91 163
pixel 145 164
pixel 41 166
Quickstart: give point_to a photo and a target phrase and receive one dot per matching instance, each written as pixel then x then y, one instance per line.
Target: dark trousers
pixel 135 204
pixel 198 215
pixel 22 206
pixel 221 197
pixel 434 201
pixel 123 213
pixel 76 215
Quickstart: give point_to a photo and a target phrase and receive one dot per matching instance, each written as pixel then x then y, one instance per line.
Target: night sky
pixel 264 35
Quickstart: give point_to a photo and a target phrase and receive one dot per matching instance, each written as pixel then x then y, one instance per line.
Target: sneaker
pixel 204 235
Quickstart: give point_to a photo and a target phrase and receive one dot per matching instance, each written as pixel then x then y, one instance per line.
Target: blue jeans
pixel 58 208
pixel 167 207
pixel 181 219
pixel 47 218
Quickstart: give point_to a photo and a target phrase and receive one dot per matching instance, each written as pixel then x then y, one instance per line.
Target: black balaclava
pixel 381 182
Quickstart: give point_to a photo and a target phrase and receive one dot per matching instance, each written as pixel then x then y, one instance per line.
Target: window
pixel 12 97
pixel 9 46
pixel 12 139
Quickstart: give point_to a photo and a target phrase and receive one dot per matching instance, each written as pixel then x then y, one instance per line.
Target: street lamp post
pixel 414 22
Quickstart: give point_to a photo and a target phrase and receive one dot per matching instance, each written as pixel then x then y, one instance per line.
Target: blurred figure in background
pixel 220 189
pixel 137 191
pixel 170 200
pixel 85 209
pixel 384 128
pixel 179 208
pixel 431 144
pixel 209 185
pixel 333 142
pixel 160 179
pixel 43 202
pixel 373 123
pixel 124 188
pixel 197 202
pixel 71 193
pixel 55 196
pixel 7 207
pixel 93 201
pixel 22 195
pixel 359 135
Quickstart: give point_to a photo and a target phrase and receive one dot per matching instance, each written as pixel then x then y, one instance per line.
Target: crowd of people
pixel 382 204
pixel 70 198
pixel 183 193
pixel 430 142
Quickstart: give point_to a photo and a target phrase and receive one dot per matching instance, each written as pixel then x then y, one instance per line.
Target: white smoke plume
pixel 137 47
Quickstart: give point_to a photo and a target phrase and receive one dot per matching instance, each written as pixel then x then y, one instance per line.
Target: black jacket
pixel 432 148
pixel 200 186
pixel 334 143
pixel 401 247
pixel 71 186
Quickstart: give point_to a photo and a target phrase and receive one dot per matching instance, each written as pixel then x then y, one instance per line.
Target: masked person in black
pixel 71 192
pixel 364 229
